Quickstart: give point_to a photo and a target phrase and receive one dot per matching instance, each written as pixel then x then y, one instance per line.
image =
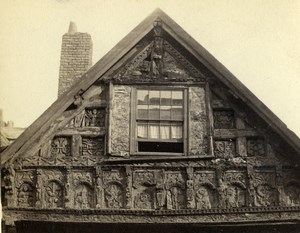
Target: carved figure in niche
pixel 61 146
pixel 264 195
pixel 175 198
pixel 114 196
pixel 292 195
pixel 26 195
pixel 202 198
pixel 54 195
pixel 83 197
pixel 144 200
pixel 232 195
pixel 94 117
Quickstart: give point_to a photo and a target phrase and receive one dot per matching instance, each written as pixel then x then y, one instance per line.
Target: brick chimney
pixel 76 57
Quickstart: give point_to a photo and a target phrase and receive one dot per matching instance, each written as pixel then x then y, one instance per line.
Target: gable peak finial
pixel 72 28
pixel 157 24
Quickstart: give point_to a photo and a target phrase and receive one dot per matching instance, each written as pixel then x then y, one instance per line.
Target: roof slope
pixel 102 67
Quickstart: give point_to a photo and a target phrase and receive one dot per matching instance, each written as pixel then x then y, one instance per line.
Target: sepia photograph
pixel 150 116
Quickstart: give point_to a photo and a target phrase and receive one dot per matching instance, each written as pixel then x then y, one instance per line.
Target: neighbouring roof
pixel 123 47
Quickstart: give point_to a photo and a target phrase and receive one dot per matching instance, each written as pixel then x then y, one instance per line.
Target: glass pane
pixel 154 98
pixel 153 131
pixel 142 111
pixel 142 130
pixel 165 132
pixel 165 97
pixel 154 112
pixel 176 131
pixel 142 96
pixel 165 112
pixel 177 98
pixel 177 113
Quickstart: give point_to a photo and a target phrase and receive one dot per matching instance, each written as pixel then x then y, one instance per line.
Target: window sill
pixel 143 157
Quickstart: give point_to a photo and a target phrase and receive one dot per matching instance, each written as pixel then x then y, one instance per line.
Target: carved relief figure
pixel 232 197
pixel 83 197
pixel 202 198
pixel 26 195
pixel 54 195
pixel 176 195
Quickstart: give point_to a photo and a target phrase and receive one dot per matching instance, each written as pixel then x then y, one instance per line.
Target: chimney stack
pixel 76 57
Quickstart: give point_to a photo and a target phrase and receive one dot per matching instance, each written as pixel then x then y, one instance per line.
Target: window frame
pixel 134 121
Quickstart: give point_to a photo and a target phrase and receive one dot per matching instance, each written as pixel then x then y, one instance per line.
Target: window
pixel 159 120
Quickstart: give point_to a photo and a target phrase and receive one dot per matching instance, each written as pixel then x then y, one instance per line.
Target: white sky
pixel 257 40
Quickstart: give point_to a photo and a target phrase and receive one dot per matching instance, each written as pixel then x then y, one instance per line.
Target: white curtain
pixel 164 132
pixel 154 131
pixel 176 131
pixel 142 131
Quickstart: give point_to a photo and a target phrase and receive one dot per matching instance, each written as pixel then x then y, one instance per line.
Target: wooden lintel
pixel 90 131
pixel 233 133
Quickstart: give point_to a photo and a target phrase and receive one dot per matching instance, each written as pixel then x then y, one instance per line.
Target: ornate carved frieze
pixel 224 119
pixel 225 149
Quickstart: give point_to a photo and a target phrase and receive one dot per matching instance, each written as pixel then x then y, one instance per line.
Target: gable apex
pixel 104 67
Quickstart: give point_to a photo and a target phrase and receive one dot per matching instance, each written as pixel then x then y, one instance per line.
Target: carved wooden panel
pixel 264 183
pixel 205 186
pixel 255 147
pixel 92 146
pixel 144 189
pixel 51 188
pixel 198 143
pixel 291 189
pixel 225 148
pixel 234 193
pixel 224 119
pixel 114 189
pixel 175 188
pixel 120 120
pixel 83 189
pixel 61 147
pixel 25 188
pixel 90 117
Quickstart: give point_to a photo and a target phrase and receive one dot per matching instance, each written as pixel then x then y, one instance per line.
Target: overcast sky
pixel 257 40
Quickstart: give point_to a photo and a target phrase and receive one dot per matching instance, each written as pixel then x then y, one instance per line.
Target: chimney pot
pixel 72 28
